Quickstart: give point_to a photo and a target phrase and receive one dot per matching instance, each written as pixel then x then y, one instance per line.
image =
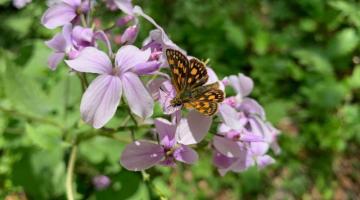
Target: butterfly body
pixel 189 78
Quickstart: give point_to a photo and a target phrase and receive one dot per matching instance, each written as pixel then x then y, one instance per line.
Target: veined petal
pixel 138 98
pixel 186 154
pixel 147 67
pixel 100 100
pixel 154 87
pixel 141 155
pixel 221 161
pixel 265 160
pixel 193 129
pixel 55 59
pixel 166 130
pixel 230 117
pixel 242 84
pixel 128 56
pixel 57 43
pixel 73 3
pixel 125 6
pixel 91 60
pixel 58 15
pixel 229 147
pixel 259 148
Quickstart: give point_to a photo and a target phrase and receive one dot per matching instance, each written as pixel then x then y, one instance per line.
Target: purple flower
pixel 130 34
pixel 101 182
pixel 158 40
pixel 242 84
pixel 245 136
pixel 125 6
pixel 141 155
pixel 164 92
pixel 69 43
pixel 20 3
pixel 111 5
pixel 64 12
pixel 100 100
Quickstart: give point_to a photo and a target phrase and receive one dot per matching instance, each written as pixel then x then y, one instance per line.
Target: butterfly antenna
pixel 207 61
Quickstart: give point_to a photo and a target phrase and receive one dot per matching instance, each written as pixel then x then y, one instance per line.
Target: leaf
pixel 235 35
pixel 354 80
pixel 44 136
pixel 314 60
pixel 343 43
pixel 99 149
pixel 40 173
pixel 24 92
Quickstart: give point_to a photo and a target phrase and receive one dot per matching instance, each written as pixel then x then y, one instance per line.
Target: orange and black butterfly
pixel 189 78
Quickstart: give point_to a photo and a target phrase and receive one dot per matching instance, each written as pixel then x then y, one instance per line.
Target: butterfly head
pixel 176 102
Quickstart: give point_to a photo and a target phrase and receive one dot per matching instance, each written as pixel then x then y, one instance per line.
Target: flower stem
pixel 69 173
pixel 30 117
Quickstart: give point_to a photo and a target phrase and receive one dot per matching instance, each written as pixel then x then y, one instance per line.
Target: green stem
pixel 70 172
pixel 30 117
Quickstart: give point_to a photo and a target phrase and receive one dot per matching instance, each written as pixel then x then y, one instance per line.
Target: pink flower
pixel 100 100
pixel 20 3
pixel 245 136
pixel 69 42
pixel 64 12
pixel 141 155
pixel 101 182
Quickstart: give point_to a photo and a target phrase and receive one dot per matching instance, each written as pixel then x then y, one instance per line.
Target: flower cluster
pixel 243 137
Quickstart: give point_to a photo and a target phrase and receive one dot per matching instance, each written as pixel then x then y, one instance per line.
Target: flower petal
pixel 55 59
pixel 147 67
pixel 141 155
pixel 230 117
pixel 263 161
pixel 154 87
pixel 73 3
pixel 58 15
pixel 57 43
pixel 193 129
pixel 129 56
pixel 125 6
pixel 221 161
pixel 229 147
pixel 138 98
pixel 91 60
pixel 166 131
pixel 242 84
pixel 186 154
pixel 100 100
pixel 249 105
pixel 130 34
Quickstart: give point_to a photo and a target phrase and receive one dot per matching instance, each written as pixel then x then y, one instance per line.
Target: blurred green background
pixel 303 56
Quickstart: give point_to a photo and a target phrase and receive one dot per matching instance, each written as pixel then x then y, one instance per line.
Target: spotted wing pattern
pixel 197 75
pixel 190 76
pixel 179 66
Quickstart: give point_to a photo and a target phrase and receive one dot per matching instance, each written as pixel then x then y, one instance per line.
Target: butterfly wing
pixel 203 107
pixel 179 66
pixel 197 75
pixel 206 99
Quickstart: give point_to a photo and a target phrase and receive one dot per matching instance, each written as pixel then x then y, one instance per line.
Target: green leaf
pixel 99 149
pixel 44 136
pixel 314 60
pixel 235 35
pixel 40 173
pixel 343 43
pixel 354 80
pixel 24 92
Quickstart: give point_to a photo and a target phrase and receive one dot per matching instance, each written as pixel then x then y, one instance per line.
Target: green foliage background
pixel 303 56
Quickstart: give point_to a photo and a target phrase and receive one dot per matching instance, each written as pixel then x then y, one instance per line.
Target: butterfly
pixel 189 78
